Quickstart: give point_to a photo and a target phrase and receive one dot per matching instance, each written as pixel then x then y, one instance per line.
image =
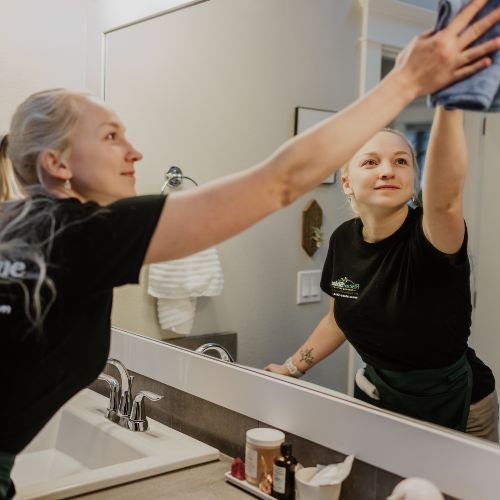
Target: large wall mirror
pixel 213 89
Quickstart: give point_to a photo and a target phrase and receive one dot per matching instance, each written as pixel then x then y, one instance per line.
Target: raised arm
pixel 444 176
pixel 200 218
pixel 326 338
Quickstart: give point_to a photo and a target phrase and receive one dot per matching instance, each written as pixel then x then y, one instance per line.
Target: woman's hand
pixel 275 368
pixel 434 60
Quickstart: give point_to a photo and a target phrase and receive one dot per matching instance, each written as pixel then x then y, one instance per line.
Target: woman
pixel 399 279
pixel 79 230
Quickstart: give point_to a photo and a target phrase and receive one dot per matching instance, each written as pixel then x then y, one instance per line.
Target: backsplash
pixel 226 430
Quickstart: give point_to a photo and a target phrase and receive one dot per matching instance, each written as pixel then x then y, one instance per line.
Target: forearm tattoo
pixel 307 357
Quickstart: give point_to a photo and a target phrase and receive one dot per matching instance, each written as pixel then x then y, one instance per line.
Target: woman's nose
pixel 386 170
pixel 133 154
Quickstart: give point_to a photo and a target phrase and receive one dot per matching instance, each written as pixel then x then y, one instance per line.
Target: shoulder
pixel 144 203
pixel 61 217
pixel 347 229
pixel 72 210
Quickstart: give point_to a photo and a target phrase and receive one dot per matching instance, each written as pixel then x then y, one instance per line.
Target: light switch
pixel 308 287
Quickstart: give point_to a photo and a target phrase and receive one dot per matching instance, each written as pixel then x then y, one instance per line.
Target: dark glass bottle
pixel 284 474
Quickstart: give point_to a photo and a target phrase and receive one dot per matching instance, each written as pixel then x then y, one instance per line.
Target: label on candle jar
pixel 251 463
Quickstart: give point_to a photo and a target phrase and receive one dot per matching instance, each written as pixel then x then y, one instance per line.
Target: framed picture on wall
pixel 307 117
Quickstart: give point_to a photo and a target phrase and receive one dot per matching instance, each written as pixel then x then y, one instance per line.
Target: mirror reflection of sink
pixel 80 451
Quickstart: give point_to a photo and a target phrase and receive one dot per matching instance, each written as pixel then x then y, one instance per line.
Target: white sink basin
pixel 80 451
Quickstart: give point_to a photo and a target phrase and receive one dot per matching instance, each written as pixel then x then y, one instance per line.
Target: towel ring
pixel 174 178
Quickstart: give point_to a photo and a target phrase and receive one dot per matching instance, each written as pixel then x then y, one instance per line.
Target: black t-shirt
pixel 93 250
pixel 400 302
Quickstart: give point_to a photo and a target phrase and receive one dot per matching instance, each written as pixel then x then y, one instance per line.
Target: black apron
pixel 439 395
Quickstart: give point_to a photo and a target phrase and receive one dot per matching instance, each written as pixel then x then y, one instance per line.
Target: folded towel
pixel 177 283
pixel 176 314
pixel 479 92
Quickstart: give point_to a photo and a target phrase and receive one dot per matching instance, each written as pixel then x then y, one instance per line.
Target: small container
pixel 283 487
pixel 307 491
pixel 262 447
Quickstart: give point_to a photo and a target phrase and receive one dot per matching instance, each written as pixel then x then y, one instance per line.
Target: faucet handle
pixel 114 389
pixel 138 420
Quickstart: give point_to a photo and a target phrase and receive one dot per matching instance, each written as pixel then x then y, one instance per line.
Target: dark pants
pixel 7 489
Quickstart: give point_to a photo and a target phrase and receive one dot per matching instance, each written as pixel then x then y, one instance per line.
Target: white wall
pixel 213 89
pixel 103 16
pixel 42 45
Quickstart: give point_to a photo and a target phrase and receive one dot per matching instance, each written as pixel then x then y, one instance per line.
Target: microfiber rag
pixel 480 91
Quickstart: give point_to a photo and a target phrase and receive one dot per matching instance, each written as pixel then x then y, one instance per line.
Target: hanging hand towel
pixel 177 283
pixel 480 91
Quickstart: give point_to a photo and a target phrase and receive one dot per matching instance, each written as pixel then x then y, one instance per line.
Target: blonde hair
pixel 45 120
pixel 344 171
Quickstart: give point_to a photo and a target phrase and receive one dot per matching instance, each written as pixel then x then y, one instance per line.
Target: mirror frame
pixel 467 467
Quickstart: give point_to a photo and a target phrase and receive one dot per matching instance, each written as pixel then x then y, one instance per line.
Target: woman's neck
pixel 379 225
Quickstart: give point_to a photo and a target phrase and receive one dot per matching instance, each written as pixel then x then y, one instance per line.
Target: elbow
pixel 293 173
pixel 450 207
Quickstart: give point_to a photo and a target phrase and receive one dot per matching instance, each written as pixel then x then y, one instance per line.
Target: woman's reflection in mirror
pixel 399 278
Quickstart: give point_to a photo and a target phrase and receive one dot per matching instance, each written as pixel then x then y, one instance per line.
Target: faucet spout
pixel 125 405
pixel 223 353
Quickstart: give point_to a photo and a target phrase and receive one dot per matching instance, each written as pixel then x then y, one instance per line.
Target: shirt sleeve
pixel 105 247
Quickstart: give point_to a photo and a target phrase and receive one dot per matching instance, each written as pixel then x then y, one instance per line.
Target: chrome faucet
pixel 125 401
pixel 124 410
pixel 223 353
pixel 114 394
pixel 138 420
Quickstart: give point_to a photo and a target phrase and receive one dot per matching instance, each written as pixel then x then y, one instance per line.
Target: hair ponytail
pixel 5 169
pixel 45 120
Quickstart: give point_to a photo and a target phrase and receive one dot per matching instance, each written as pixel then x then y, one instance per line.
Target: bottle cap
pixel 268 438
pixel 286 449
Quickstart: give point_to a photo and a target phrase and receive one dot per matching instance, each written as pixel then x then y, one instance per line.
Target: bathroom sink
pixel 79 450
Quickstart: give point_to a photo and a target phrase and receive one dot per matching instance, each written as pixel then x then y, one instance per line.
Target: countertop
pixel 204 481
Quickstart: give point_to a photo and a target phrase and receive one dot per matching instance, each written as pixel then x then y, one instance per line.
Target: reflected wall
pixel 213 90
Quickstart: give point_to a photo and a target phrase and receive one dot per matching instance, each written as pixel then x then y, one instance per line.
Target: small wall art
pixel 307 117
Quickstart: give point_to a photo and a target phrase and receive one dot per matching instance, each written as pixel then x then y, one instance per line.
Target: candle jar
pixel 262 447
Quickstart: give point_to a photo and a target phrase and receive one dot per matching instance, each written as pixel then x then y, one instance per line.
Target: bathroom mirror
pixel 213 89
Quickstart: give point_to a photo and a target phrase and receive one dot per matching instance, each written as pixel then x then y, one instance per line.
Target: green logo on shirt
pixel 346 288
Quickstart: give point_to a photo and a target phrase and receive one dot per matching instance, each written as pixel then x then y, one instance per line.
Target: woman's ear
pixel 346 186
pixel 53 165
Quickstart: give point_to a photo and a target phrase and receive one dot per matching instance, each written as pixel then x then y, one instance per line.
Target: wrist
pixel 293 369
pixel 403 86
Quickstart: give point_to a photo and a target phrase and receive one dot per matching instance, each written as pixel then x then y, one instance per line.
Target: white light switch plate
pixel 308 289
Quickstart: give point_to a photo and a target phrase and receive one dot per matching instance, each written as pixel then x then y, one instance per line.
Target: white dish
pixel 245 485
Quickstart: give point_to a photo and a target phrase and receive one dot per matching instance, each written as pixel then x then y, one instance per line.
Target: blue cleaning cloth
pixel 478 92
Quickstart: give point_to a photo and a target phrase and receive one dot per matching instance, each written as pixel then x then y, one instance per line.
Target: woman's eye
pixel 402 161
pixel 111 136
pixel 369 163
